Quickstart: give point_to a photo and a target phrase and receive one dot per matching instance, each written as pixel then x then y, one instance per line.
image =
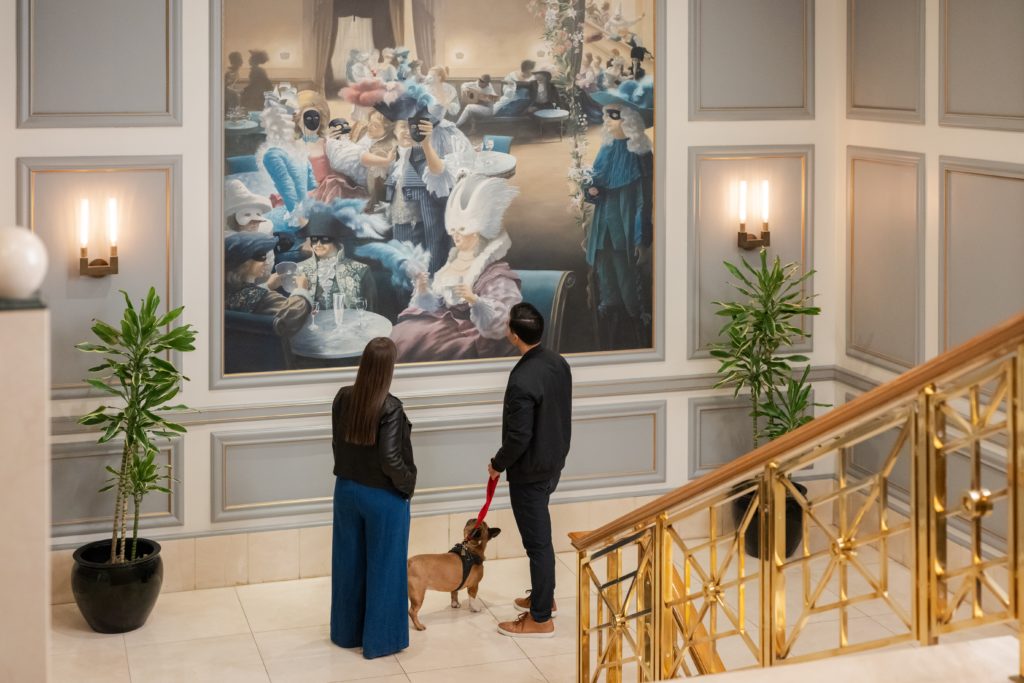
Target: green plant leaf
pixel 104 387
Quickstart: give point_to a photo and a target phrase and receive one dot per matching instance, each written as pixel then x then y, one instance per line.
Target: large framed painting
pixel 416 168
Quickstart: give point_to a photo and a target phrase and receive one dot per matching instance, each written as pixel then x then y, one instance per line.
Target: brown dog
pixel 461 567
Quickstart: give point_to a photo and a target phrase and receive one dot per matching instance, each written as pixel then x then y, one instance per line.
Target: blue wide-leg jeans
pixel 369 583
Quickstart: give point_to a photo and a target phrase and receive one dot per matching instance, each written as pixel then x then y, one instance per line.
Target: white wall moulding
pixel 148 192
pixel 260 473
pixel 78 474
pixel 99 63
pixel 232 414
pixel 885 60
pixel 885 257
pixel 715 174
pixel 981 64
pixel 981 205
pixel 751 60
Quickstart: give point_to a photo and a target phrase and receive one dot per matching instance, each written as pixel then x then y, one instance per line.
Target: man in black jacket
pixel 535 432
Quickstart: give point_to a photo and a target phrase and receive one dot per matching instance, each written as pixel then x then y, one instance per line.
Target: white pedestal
pixel 25 493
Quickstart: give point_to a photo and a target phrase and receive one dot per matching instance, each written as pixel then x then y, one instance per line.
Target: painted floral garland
pixel 563 33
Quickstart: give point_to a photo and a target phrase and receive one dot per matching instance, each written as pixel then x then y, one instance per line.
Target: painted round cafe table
pixel 495 164
pixel 332 341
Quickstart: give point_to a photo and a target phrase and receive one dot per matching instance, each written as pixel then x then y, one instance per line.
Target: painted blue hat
pixel 402 51
pixel 240 247
pixel 638 95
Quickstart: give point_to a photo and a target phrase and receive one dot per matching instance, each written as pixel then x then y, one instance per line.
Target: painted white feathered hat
pixel 237 197
pixel 477 204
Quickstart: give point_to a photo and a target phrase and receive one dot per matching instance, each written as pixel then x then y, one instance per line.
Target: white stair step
pixel 990 660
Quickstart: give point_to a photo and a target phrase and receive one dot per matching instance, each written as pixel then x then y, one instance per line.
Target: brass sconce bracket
pixel 744 240
pixel 97 267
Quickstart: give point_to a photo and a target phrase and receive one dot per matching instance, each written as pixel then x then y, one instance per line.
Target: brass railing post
pixel 924 521
pixel 582 618
pixel 614 593
pixel 773 587
pixel 662 573
pixel 1015 461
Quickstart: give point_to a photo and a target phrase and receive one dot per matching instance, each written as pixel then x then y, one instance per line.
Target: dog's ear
pixel 471 521
pixel 492 532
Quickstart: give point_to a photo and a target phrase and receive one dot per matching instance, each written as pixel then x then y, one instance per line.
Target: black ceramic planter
pixel 115 598
pixel 794 522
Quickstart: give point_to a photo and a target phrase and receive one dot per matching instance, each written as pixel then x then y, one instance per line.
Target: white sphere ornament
pixel 23 262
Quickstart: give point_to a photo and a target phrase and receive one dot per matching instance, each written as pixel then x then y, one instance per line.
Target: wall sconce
pixel 743 238
pixel 97 267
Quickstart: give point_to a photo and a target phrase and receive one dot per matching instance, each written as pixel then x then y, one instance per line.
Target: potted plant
pixel 116 581
pixel 753 358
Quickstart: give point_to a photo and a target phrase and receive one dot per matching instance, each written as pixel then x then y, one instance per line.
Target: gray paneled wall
pixel 269 473
pixel 981 74
pixel 149 243
pixel 715 173
pixel 77 475
pixel 885 269
pixel 720 432
pixel 885 60
pixel 981 246
pixel 751 59
pixel 99 63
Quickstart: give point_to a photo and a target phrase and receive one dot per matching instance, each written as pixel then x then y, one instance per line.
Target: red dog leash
pixel 492 486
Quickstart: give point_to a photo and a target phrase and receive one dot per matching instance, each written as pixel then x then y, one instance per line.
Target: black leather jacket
pixel 386 465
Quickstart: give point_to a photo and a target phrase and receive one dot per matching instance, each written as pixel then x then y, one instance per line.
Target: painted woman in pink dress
pixel 463 312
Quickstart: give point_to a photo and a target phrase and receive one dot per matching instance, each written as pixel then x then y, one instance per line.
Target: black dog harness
pixel 468 561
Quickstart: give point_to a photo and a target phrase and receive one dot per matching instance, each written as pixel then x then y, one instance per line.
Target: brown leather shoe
pixel 523 605
pixel 525 627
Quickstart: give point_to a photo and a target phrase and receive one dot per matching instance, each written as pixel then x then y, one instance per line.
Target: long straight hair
pixel 376 368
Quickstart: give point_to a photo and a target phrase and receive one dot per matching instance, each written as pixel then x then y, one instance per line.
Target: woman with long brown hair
pixel 376 477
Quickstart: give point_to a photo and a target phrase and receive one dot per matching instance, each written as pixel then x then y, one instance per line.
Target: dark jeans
pixel 530 507
pixel 369 584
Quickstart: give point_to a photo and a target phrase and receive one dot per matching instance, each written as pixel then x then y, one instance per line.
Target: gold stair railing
pixel 911 512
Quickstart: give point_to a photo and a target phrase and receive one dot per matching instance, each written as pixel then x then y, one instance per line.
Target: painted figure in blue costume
pixel 402 57
pixel 431 154
pixel 284 155
pixel 618 242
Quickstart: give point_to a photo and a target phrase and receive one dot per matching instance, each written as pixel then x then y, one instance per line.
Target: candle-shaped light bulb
pixel 83 224
pixel 743 202
pixel 764 201
pixel 112 221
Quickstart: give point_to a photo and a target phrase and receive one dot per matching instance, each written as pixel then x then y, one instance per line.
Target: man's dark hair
pixel 527 66
pixel 527 323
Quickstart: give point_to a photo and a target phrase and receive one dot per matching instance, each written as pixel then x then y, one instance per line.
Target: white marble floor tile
pixel 287 604
pixel 192 615
pixel 69 632
pixel 102 661
pixel 557 669
pixel 569 560
pixel 506 580
pixel 457 638
pixel 521 671
pixel 307 655
pixel 229 659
